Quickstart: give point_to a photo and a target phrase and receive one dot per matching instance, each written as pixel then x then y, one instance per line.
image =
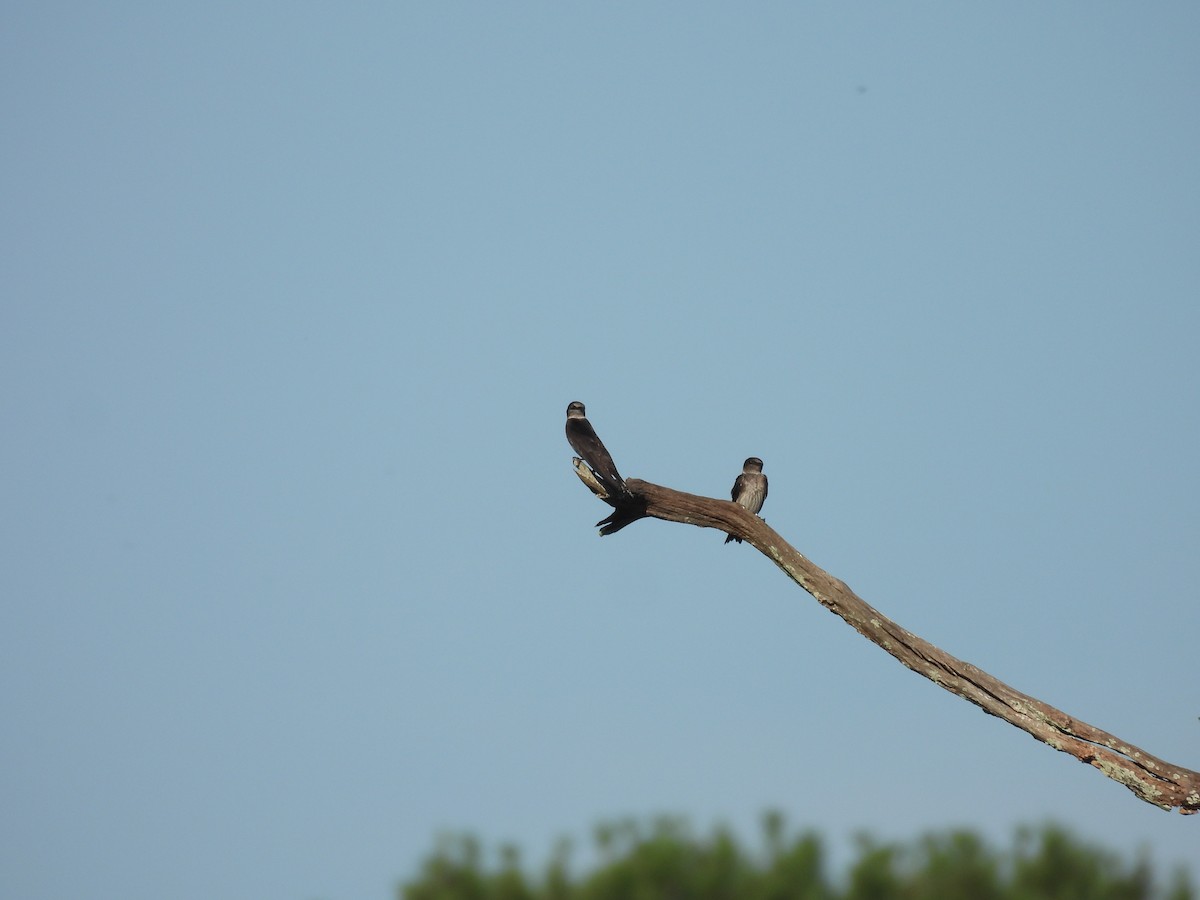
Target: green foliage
pixel 664 860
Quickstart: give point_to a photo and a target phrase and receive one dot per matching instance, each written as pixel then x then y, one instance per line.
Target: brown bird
pixel 582 437
pixel 749 490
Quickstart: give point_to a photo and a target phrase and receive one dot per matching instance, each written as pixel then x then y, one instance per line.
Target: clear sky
pixel 296 570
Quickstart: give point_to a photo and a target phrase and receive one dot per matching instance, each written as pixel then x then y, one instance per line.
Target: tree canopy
pixel 666 859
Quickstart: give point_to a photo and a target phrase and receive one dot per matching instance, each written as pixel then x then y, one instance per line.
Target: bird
pixel 749 490
pixel 582 437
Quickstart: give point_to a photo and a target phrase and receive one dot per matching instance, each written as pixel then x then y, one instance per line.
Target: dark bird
pixel 582 437
pixel 749 490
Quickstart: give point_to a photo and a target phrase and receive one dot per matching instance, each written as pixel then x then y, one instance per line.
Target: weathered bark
pixel 1150 778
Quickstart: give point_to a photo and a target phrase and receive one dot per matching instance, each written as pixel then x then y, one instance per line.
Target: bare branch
pixel 1152 779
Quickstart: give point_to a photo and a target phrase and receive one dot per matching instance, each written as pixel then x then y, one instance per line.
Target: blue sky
pixel 297 571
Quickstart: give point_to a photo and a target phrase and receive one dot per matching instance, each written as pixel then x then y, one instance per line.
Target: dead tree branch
pixel 1152 779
